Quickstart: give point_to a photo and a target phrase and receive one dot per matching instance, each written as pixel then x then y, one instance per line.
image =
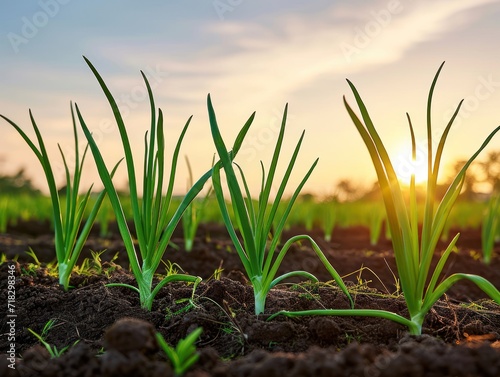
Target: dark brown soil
pixel 116 337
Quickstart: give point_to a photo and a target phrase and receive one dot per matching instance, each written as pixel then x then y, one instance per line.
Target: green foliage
pixel 490 227
pixel 328 213
pixel 153 222
pixel 193 213
pixel 376 218
pixel 415 223
pixel 255 220
pixel 17 207
pixel 31 269
pixel 69 239
pixel 414 249
pixel 53 351
pixel 94 265
pixel 184 355
pixel 464 214
pixel 17 183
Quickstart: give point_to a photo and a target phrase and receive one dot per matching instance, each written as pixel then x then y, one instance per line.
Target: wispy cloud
pixel 250 61
pixel 262 59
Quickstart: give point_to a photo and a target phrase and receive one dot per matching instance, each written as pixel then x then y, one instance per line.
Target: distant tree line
pixel 17 183
pixel 485 173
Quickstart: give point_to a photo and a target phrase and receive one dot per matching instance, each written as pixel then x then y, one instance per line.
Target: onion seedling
pixel 414 250
pixel 184 355
pixel 104 218
pixel 328 212
pixel 4 214
pixel 193 214
pixel 153 224
pixel 67 238
pixel 490 227
pixel 255 220
pixel 375 220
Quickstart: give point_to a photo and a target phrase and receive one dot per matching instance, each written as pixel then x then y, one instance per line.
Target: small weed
pixel 30 269
pixel 352 338
pixel 309 296
pixel 53 350
pixel 272 345
pixel 309 286
pixel 217 272
pixel 475 255
pixel 171 314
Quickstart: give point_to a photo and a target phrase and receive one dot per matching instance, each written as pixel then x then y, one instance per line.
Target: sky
pixel 250 56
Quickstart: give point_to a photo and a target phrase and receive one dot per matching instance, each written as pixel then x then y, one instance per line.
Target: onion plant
pixel 104 218
pixel 306 213
pixel 68 240
pixel 414 248
pixel 375 221
pixel 4 213
pixel 184 355
pixel 328 212
pixel 193 214
pixel 255 220
pixel 490 227
pixel 153 225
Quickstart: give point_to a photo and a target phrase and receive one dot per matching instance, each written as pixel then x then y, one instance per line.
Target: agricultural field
pixel 225 282
pixel 222 304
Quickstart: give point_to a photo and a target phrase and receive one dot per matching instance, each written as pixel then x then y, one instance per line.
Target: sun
pixel 405 166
